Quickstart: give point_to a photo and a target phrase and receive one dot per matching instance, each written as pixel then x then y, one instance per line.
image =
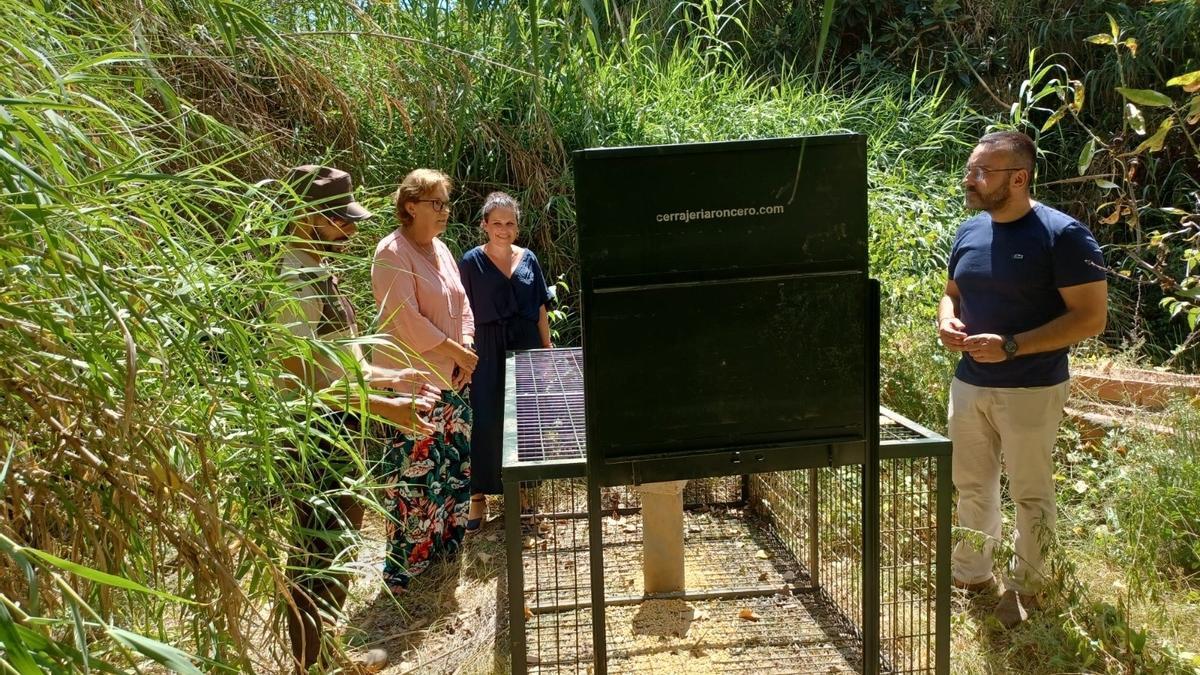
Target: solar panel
pixel 550 412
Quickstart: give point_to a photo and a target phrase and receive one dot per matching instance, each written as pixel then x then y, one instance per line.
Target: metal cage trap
pixel 722 492
pixel 784 547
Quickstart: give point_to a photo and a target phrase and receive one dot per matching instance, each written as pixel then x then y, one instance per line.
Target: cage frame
pixel 922 443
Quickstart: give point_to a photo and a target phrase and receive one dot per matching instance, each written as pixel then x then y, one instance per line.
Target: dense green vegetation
pixel 141 468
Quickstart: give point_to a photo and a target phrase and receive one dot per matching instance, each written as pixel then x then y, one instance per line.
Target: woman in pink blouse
pixel 424 311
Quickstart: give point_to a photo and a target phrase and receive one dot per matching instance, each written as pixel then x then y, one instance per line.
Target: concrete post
pixel 662 536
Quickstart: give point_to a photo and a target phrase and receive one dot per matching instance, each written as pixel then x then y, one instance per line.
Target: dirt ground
pixel 453 618
pixel 448 621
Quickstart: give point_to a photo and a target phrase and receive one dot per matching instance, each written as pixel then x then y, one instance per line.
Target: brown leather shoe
pixel 1031 601
pixel 1012 610
pixel 987 586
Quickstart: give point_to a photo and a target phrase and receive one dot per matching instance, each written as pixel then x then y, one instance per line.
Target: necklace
pixel 427 250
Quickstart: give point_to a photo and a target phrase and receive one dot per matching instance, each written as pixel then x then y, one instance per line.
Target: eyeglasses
pixel 438 204
pixel 981 172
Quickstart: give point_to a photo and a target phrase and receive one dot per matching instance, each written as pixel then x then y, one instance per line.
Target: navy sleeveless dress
pixel 506 317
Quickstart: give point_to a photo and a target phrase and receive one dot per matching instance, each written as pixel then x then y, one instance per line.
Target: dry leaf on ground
pixel 748 614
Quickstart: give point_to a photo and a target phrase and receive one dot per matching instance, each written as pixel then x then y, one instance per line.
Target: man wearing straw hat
pixel 318 312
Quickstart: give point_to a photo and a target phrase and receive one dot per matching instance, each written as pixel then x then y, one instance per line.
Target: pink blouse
pixel 421 304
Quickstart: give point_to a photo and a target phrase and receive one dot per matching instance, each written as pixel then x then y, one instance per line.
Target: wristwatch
pixel 1010 347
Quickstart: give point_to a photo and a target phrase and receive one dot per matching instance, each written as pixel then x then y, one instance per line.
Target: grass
pixel 1124 590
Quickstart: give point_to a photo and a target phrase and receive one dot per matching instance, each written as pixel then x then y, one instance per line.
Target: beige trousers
pixel 1020 425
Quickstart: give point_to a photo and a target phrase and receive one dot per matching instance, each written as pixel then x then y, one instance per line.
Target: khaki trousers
pixel 1019 425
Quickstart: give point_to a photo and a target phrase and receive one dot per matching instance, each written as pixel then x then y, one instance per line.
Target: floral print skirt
pixel 428 491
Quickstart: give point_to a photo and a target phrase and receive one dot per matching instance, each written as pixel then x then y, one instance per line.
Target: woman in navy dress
pixel 508 295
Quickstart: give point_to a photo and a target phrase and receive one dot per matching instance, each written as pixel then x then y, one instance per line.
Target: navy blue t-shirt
pixel 1008 276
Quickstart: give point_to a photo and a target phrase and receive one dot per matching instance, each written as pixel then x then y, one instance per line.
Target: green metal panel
pixel 724 301
pixel 516 574
pixel 870 499
pixel 596 562
pixel 945 489
pixel 727 364
pixel 736 209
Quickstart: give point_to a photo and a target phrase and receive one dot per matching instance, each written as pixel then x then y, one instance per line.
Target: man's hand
pixel 406 381
pixel 405 412
pixel 985 347
pixel 953 334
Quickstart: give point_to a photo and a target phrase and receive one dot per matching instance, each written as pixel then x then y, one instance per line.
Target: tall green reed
pixel 144 485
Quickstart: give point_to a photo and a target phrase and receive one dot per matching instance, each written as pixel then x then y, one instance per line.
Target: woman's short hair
pixel 497 200
pixel 417 183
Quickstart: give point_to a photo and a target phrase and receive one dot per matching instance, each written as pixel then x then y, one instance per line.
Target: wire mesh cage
pixel 815 514
pixel 773 561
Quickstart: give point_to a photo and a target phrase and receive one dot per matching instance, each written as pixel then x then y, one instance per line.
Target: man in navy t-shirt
pixel 1025 283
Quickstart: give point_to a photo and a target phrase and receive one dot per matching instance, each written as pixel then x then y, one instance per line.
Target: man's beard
pixel 981 201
